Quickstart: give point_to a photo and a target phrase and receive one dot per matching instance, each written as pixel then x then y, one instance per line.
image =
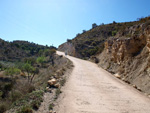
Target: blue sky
pixel 54 21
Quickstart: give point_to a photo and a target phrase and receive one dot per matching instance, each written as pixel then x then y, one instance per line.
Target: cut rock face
pixel 129 56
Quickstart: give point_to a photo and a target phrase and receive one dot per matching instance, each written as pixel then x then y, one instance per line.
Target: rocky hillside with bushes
pixel 128 56
pixel 25 69
pixel 121 48
pixel 91 42
pixel 17 50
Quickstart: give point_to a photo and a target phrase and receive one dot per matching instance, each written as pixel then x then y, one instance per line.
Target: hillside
pixel 121 48
pixel 92 42
pixel 25 69
pixel 17 50
pixel 129 56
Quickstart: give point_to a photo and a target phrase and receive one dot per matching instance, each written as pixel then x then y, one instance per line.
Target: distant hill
pixel 16 50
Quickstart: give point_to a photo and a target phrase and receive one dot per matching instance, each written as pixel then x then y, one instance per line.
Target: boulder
pixel 50 111
pixel 52 82
pixel 57 85
pixel 48 89
pixel 117 76
pixel 123 79
pixel 135 86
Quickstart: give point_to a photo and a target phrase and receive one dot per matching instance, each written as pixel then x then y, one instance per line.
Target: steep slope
pixel 26 74
pixel 89 43
pixel 92 42
pixel 120 48
pixel 129 57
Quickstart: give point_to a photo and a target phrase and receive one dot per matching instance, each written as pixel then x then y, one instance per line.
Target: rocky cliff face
pixel 129 56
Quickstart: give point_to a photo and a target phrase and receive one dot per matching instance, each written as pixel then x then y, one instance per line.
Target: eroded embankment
pixel 129 57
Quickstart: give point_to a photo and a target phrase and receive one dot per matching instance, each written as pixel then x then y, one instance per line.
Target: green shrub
pixel 31 71
pixel 5 88
pixel 32 99
pixel 92 51
pixel 41 60
pixel 31 60
pixel 114 33
pixel 40 53
pixel 28 67
pixel 93 44
pixel 15 96
pixel 58 91
pixel 51 106
pixel 49 52
pixel 26 109
pixel 46 52
pixel 8 86
pixel 52 51
pixel 63 81
pixel 30 88
pixel 12 71
pixel 36 104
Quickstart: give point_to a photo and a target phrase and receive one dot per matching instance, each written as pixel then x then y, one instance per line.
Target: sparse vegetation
pixel 25 109
pixel 29 101
pixel 92 41
pixel 31 71
pixel 94 25
pixel 51 106
pixel 30 60
pixel 41 60
pixel 24 74
pixel 17 50
pixel 114 33
pixel 12 71
pixel 63 81
pixel 57 93
pixel 3 107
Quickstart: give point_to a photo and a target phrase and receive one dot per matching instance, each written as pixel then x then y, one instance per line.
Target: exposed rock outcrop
pixel 129 57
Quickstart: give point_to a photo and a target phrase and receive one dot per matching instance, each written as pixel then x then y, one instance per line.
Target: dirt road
pixel 91 89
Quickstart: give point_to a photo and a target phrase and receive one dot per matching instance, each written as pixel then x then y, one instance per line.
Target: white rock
pixel 52 82
pixel 118 76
